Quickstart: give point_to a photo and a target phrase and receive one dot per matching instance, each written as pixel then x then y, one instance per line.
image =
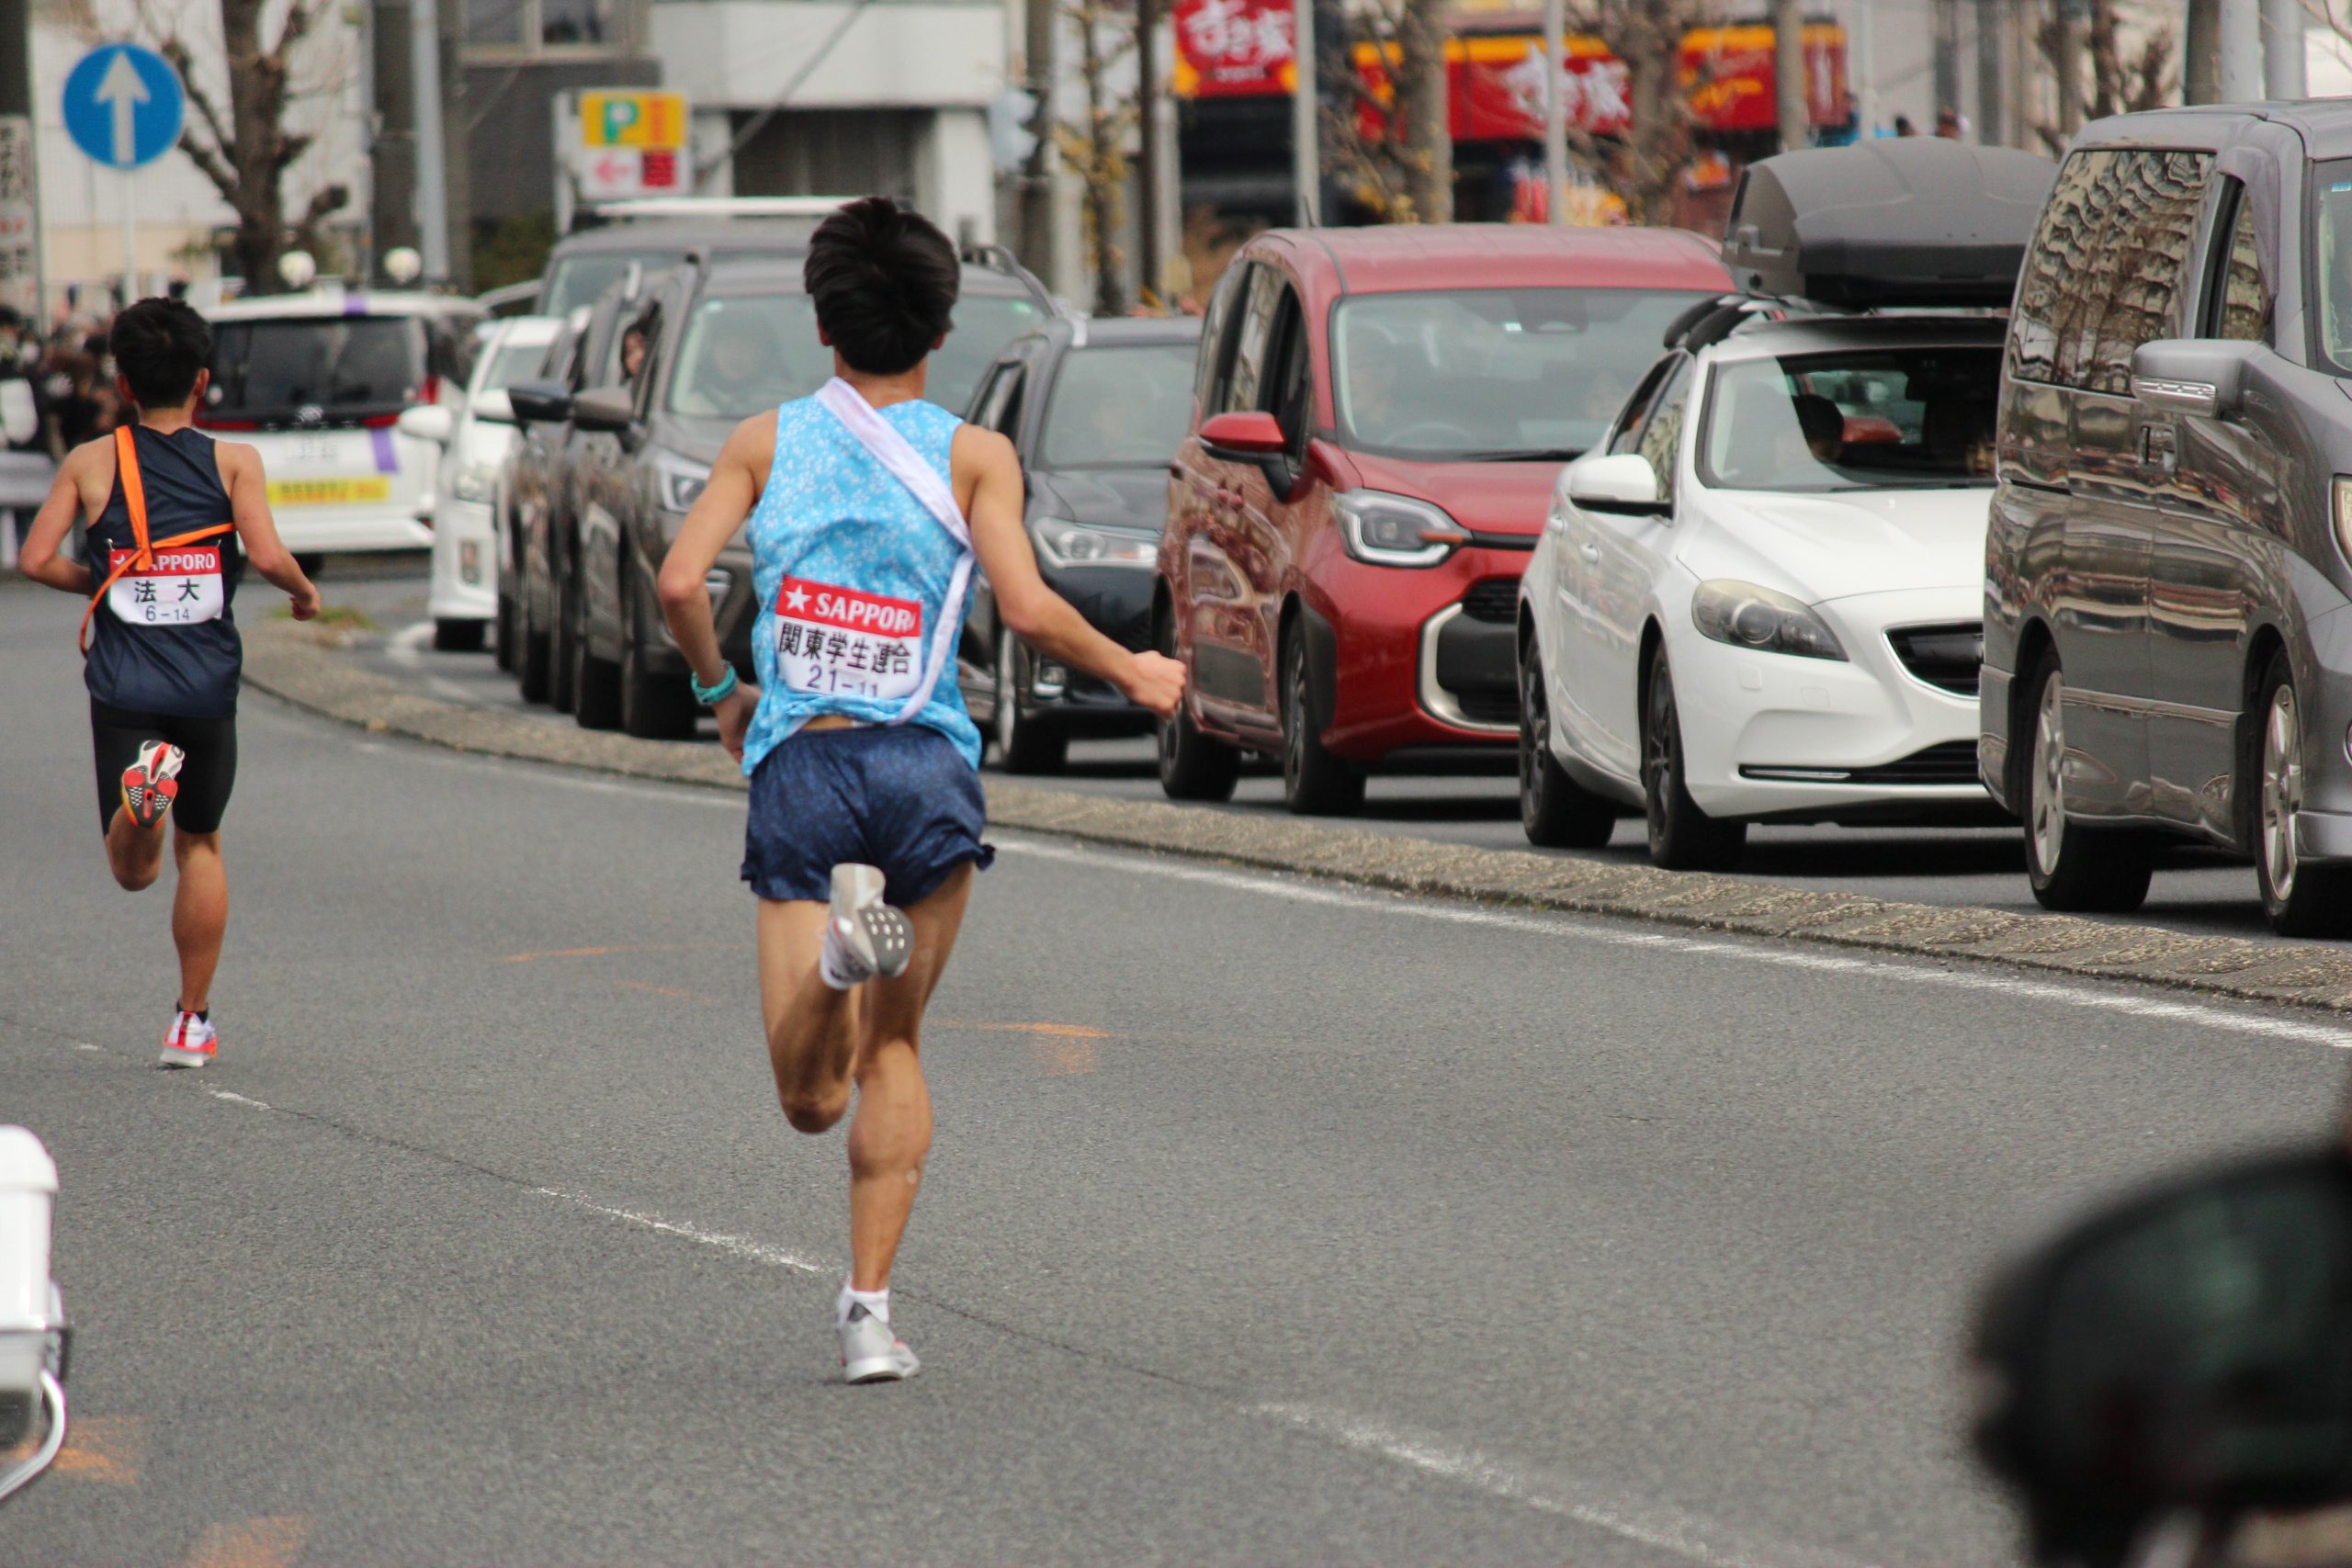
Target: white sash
pixel 890 449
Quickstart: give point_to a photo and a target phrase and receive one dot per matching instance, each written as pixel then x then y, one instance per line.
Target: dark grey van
pixel 2166 644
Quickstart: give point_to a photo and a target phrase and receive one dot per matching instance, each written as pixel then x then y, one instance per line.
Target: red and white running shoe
pixel 152 782
pixel 191 1041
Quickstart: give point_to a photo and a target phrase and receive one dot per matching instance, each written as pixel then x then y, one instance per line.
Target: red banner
pixel 1728 74
pixel 1233 49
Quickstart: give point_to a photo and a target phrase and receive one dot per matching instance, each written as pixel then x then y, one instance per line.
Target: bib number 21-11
pixel 837 641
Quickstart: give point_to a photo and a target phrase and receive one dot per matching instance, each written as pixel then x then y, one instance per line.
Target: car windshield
pixel 579 280
pixel 1119 408
pixel 336 364
pixel 2331 216
pixel 745 353
pixel 1492 374
pixel 1861 420
pixel 514 361
pixel 984 323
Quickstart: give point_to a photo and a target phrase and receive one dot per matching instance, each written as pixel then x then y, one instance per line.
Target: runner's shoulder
pixel 754 440
pixel 978 449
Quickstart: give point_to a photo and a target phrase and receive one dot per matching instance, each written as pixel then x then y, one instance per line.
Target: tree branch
pixel 300 17
pixel 176 52
pixel 214 167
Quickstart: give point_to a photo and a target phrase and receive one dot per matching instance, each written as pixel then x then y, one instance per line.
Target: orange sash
pixel 134 497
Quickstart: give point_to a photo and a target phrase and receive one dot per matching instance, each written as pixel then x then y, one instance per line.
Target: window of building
pixel 534 26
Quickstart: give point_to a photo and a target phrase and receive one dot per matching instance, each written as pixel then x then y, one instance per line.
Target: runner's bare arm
pixel 241 471
pixel 40 559
pixel 716 516
pixel 987 475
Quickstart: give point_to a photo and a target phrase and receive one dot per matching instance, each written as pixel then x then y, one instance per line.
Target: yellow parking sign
pixel 651 120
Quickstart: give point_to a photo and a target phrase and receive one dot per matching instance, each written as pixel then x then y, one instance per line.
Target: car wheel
pixel 504 642
pixel 1314 782
pixel 457 637
pixel 533 657
pixel 1024 745
pixel 2301 899
pixel 563 639
pixel 2073 869
pixel 1682 837
pixel 595 682
pixel 653 706
pixel 1556 811
pixel 1192 766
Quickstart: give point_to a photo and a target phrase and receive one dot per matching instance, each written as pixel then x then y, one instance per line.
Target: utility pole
pixel 1151 267
pixel 424 123
pixel 2240 52
pixel 1788 73
pixel 20 258
pixel 2283 22
pixel 2201 68
pixel 1305 133
pixel 393 215
pixel 1037 247
pixel 1862 69
pixel 1555 111
pixel 2069 64
pixel 1992 104
pixel 1946 58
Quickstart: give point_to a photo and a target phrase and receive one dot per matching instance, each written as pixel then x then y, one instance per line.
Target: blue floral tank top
pixel 850 575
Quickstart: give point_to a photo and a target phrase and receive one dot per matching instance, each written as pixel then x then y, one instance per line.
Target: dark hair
pixel 884 280
pixel 159 345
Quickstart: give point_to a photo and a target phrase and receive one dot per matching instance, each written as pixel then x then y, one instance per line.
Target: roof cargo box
pixel 1899 221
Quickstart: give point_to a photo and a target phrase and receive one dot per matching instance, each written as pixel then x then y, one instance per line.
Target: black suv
pixel 729 337
pixel 1096 409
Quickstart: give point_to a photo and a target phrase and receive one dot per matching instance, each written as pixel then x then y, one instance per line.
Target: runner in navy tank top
pixel 174 519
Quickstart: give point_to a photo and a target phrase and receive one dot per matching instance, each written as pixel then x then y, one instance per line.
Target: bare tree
pixel 2123 80
pixel 1642 165
pixel 246 150
pixel 1394 141
pixel 1095 146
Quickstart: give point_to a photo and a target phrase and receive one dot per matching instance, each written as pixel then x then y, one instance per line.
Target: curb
pixel 299 665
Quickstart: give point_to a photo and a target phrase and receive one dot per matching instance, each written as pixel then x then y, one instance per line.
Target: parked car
pixel 584 264
pixel 463 596
pixel 1758 599
pixel 317 381
pixel 541 402
pixel 1094 408
pixel 1378 416
pixel 727 337
pixel 2168 650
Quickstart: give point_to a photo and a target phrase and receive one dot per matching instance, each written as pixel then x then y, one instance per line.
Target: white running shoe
pixel 191 1041
pixel 866 938
pixel 871 1353
pixel 152 782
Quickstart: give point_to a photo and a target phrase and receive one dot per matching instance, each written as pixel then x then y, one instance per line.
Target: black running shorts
pixel 206 778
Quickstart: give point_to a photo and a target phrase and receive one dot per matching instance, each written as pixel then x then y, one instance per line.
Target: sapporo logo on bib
pixel 837 641
pixel 183 587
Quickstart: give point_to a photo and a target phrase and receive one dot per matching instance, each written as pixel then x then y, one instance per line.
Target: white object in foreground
pixel 32 1319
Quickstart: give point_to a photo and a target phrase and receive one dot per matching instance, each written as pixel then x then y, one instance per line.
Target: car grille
pixel 1946 656
pixel 1488 706
pixel 1494 599
pixel 1950 762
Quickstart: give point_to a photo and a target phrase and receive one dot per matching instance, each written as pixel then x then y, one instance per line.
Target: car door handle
pixel 1589 552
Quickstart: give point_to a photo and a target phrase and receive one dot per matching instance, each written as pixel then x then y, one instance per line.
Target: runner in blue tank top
pixel 867 508
pixel 174 518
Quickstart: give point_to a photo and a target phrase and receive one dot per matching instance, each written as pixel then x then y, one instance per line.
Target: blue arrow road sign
pixel 123 105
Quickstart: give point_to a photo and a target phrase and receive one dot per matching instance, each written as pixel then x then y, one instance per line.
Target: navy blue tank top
pixel 166 642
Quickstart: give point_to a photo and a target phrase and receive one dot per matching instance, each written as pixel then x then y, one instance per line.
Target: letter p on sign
pixel 655 121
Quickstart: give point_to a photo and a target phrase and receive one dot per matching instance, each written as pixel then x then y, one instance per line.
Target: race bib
pixel 836 641
pixel 185 586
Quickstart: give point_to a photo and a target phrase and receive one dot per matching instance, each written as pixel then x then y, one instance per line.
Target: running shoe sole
pixel 152 783
pixel 880 939
pixel 896 1368
pixel 182 1056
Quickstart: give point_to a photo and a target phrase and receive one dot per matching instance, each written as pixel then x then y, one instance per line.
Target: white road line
pixel 734 1246
pixel 1657 1525
pixel 1587 929
pixel 238 1099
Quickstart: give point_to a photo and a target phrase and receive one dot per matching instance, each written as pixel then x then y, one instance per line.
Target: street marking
pixel 665 990
pixel 1656 1525
pixel 735 1245
pixel 255 1543
pixel 1059 1031
pixel 610 951
pixel 237 1098
pixel 85 1046
pixel 1587 929
pixel 1062 1058
pixel 105 1448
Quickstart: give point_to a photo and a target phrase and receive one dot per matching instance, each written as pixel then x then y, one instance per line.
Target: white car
pixel 463 598
pixel 1760 597
pixel 318 381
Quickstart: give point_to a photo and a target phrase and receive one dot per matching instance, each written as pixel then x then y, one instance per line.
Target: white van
pixel 317 383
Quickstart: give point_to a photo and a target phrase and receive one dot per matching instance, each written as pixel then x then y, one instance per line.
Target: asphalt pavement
pixel 1269 1222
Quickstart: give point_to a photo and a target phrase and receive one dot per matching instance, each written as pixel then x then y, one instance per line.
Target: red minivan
pixel 1378 418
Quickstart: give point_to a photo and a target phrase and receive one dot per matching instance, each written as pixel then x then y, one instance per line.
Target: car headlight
pixel 682 480
pixel 475 481
pixel 1745 615
pixel 1396 530
pixel 1065 544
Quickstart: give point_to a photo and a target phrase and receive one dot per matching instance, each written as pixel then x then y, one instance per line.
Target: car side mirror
pixel 492 406
pixel 1621 482
pixel 1246 436
pixel 428 421
pixel 2199 376
pixel 2188 1350
pixel 609 410
pixel 539 402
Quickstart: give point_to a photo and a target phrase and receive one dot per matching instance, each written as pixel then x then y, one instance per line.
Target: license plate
pixel 329 492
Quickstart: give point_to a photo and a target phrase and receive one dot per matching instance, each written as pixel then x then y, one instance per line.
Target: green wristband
pixel 712 696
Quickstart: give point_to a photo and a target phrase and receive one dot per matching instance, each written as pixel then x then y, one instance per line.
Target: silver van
pixel 2167 647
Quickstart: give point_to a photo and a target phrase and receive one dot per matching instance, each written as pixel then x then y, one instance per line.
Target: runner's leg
pixel 811 1028
pixel 890 1135
pixel 134 854
pixel 199 914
